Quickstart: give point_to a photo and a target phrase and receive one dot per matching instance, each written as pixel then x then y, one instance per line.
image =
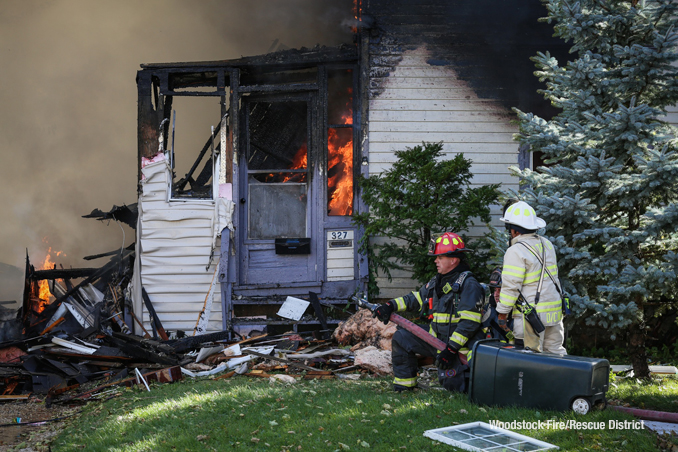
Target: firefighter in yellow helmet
pixel 530 286
pixel 451 302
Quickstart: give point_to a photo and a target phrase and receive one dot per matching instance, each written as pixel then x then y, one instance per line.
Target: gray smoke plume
pixel 68 101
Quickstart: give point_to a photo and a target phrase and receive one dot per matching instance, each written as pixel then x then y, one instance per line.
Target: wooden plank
pixel 465 148
pixel 478 167
pixel 439 93
pixel 155 319
pixel 503 158
pixel 340 272
pixel 418 137
pixel 478 179
pixel 406 70
pixel 446 116
pixel 335 263
pixel 429 105
pixel 340 253
pixel 434 125
pixel 15 397
pixel 414 80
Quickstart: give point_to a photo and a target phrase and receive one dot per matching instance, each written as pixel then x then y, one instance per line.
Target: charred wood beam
pixel 191 342
pixel 189 176
pixel 288 88
pixel 155 321
pixel 315 302
pixel 141 353
pixel 124 214
pixel 204 175
pixel 98 274
pixel 292 58
pixel 97 256
pixel 62 273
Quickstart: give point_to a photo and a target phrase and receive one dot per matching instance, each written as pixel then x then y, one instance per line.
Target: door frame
pixel 315 191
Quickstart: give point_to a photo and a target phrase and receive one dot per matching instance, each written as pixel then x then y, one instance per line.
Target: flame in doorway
pixel 299 161
pixel 340 165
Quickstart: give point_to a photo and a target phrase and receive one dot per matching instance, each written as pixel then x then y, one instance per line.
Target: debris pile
pixel 76 344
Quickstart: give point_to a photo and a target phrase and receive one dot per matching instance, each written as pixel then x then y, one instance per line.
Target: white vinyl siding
pixel 174 245
pixel 419 102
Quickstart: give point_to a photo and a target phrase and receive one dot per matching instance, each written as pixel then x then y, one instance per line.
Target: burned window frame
pixel 157 111
pixel 235 78
pixel 308 101
pixel 334 221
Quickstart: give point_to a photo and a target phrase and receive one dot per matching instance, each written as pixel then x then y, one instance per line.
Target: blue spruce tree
pixel 610 191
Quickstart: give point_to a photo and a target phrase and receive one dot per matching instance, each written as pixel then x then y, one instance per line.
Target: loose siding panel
pixel 418 102
pixel 175 247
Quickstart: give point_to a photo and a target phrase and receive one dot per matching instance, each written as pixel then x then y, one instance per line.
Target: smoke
pixel 68 101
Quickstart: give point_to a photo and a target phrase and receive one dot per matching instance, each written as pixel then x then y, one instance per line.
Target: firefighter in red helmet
pixel 452 303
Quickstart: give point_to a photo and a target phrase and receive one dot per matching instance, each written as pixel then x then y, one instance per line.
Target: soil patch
pixel 46 423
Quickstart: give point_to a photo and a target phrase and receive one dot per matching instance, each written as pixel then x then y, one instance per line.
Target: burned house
pixel 262 208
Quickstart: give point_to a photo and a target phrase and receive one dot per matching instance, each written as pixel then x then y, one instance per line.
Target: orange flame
pixel 357 10
pixel 299 161
pixel 47 264
pixel 340 162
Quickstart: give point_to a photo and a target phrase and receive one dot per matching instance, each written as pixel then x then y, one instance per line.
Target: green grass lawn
pixel 248 414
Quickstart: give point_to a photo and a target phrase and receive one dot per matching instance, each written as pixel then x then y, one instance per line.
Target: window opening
pixel 190 135
pixel 340 142
pixel 277 169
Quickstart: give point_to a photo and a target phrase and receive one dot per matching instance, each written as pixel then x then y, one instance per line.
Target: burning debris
pixel 73 339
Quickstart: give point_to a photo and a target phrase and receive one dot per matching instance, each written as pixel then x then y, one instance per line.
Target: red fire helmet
pixel 447 244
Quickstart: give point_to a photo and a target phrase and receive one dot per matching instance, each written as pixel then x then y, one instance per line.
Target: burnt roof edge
pixel 288 57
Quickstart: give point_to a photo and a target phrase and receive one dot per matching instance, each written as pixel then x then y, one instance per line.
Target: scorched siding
pixel 419 102
pixel 175 243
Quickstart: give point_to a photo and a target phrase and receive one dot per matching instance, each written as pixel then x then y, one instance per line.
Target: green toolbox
pixel 503 375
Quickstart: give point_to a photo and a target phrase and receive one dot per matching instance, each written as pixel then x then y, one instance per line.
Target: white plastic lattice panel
pixel 482 437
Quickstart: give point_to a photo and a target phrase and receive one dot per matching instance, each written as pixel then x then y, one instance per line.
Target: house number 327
pixel 338 235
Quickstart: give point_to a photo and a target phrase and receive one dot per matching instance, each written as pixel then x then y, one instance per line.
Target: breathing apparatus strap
pixel 542 261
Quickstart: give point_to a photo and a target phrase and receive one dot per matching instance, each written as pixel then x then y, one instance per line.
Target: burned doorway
pixel 278 243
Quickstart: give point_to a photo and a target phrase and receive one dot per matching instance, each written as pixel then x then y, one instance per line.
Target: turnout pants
pixel 405 348
pixel 550 340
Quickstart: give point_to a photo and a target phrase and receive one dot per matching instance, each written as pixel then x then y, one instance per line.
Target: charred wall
pixel 488 43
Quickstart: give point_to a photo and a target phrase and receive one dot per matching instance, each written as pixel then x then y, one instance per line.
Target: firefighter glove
pixel 384 311
pixel 445 358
